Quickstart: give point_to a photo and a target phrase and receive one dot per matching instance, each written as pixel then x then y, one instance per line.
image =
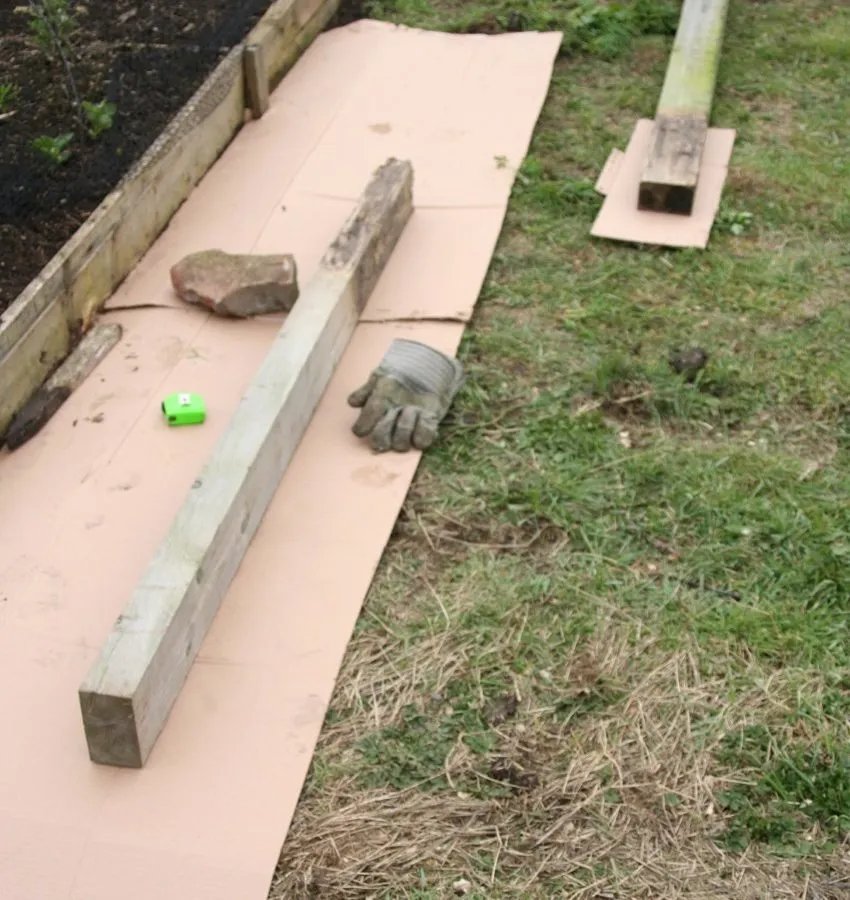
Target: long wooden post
pixel 130 690
pixel 672 168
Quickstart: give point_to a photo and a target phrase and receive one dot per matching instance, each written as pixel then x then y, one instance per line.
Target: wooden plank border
pixel 130 690
pixel 671 173
pixel 47 319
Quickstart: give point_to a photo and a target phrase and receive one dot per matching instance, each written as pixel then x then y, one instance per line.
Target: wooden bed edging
pixel 44 323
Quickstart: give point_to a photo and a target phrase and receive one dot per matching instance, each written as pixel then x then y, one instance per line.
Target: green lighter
pixel 184 409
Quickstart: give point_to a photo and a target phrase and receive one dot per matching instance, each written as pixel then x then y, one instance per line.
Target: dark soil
pixel 147 58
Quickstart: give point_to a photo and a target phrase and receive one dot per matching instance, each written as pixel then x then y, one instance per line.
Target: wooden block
pixel 36 413
pixel 670 177
pixel 73 286
pixel 87 356
pixel 256 80
pixel 672 168
pixel 130 690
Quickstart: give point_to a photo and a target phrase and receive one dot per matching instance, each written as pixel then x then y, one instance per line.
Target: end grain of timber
pixel 672 169
pixel 130 690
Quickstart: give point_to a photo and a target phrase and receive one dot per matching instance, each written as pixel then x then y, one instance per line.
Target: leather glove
pixel 406 397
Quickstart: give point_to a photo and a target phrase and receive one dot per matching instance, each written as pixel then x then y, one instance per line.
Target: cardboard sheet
pixel 85 503
pixel 621 220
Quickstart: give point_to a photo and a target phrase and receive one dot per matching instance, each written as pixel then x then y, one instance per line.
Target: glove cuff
pixel 422 369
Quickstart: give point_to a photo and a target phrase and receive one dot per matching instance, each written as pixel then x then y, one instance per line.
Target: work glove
pixel 406 397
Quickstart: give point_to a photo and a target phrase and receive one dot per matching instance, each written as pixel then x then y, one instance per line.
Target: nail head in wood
pixel 672 168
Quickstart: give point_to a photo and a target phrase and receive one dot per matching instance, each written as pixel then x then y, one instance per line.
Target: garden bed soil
pixel 147 58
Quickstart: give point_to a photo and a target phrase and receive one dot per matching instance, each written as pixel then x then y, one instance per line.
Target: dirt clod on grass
pixel 688 362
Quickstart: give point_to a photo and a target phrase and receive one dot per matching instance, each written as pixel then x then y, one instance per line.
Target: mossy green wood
pixel 681 121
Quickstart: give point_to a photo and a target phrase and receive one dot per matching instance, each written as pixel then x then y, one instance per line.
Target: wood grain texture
pixel 43 346
pixel 130 690
pixel 672 168
pixel 287 29
pixel 38 329
pixel 87 356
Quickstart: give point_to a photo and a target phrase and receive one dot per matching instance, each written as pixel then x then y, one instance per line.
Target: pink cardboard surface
pixel 87 501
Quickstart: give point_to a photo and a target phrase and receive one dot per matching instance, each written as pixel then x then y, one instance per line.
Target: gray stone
pixel 237 284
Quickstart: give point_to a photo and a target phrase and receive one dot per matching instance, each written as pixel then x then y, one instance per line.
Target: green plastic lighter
pixel 184 409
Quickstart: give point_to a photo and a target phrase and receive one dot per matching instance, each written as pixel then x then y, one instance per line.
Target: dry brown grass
pixel 618 804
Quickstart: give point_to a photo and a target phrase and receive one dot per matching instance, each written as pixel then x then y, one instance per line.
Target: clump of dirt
pixel 508 772
pixel 501 710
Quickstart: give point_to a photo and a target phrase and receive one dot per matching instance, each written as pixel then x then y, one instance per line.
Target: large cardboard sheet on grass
pixel 84 505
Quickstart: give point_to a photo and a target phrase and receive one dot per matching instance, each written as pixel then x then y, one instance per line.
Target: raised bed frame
pixel 47 319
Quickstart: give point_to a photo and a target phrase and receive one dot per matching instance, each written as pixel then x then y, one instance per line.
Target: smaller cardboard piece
pixel 609 172
pixel 621 220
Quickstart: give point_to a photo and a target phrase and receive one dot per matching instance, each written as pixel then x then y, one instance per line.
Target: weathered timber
pixel 256 80
pixel 129 692
pixel 671 173
pixel 45 402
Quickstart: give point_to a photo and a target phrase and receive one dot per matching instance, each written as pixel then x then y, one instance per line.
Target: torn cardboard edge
pixel 620 219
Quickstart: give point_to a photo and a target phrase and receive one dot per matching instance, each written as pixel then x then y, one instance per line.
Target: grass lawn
pixel 606 654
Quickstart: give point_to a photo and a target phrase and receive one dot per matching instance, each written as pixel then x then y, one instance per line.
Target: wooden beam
pixel 256 80
pixel 672 168
pixel 129 692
